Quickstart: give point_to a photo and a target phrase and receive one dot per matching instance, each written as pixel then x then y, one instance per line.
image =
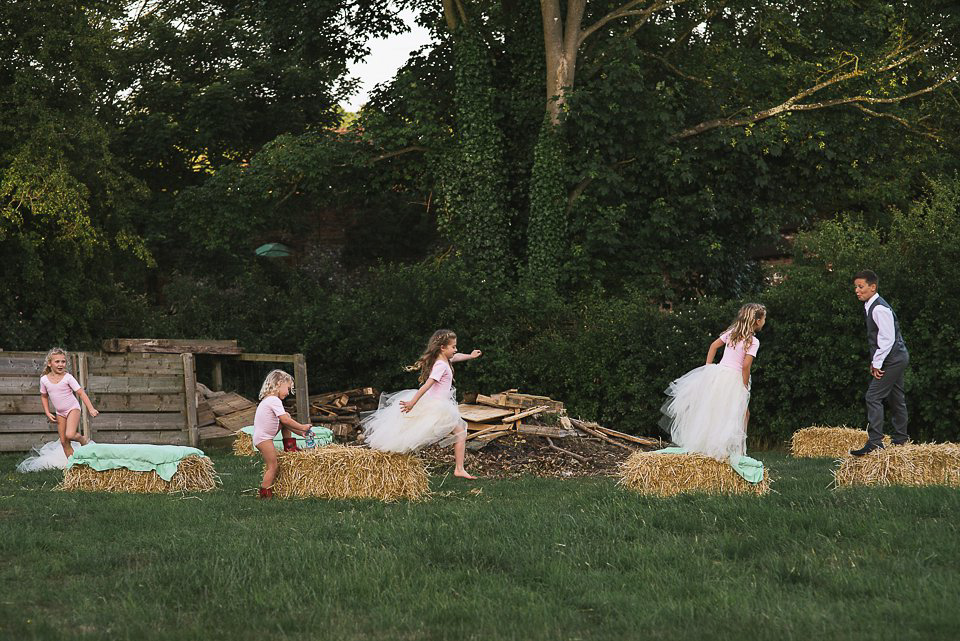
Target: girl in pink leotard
pixel 59 388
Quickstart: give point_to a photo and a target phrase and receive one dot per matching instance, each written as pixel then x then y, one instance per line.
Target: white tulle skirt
pixel 48 456
pixel 706 411
pixel 433 419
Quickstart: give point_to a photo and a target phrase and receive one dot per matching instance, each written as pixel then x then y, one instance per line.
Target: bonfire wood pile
pixel 340 411
pixel 491 417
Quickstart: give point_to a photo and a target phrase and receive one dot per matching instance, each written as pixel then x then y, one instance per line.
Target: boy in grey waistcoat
pixel 888 362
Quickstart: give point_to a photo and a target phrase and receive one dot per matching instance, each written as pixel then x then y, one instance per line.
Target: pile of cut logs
pixel 490 417
pixel 340 411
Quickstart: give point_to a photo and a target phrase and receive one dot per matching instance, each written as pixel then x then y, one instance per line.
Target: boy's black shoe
pixel 899 442
pixel 866 449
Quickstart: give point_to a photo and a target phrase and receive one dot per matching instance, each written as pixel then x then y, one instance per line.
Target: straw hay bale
pixel 341 472
pixel 915 465
pixel 243 444
pixel 669 474
pixel 828 442
pixel 194 474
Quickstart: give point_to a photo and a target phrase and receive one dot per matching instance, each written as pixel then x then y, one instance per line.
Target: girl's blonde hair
pixel 440 339
pixel 46 362
pixel 745 323
pixel 273 381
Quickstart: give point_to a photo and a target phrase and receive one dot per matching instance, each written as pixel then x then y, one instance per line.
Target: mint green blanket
pixel 749 468
pixel 162 459
pixel 322 435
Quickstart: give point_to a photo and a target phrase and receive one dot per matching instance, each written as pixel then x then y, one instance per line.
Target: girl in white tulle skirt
pixel 412 419
pixel 706 411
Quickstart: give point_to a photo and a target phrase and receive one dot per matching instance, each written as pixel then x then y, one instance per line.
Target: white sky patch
pixel 386 56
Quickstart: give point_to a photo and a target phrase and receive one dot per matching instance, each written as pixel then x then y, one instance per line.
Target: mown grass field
pixel 509 559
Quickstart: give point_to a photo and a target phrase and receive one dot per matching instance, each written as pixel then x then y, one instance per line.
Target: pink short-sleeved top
pixel 62 395
pixel 266 422
pixel 442 374
pixel 733 356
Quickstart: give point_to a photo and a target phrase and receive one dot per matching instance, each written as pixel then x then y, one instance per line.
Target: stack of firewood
pixel 490 417
pixel 340 411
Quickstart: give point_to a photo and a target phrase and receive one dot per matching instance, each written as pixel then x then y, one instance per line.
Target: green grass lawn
pixel 513 559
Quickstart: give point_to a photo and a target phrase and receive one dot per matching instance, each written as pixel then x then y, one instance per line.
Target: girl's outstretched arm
pixel 287 421
pixel 466 357
pixel 86 401
pixel 712 352
pixel 747 364
pixel 406 406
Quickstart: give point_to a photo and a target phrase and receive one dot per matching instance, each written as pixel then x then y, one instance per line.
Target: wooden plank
pixel 235 421
pixel 217 375
pixel 492 401
pixel 301 387
pixel 205 415
pixel 136 384
pixel 485 440
pixel 544 430
pixel 11 423
pixel 134 364
pixel 317 418
pixel 137 402
pixel 22 365
pixel 489 430
pixel 352 394
pixel 133 421
pixel 473 426
pixel 641 440
pixel 190 392
pixel 481 413
pixel 343 429
pixel 523 401
pixel 229 403
pixel 216 436
pixel 177 437
pixel 16 385
pixel 25 441
pixel 24 404
pixel 267 358
pixel 171 346
pixel 84 376
pixel 529 412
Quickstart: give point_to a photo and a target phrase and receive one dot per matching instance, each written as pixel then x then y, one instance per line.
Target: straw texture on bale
pixel 927 464
pixel 341 472
pixel 828 442
pixel 194 474
pixel 669 474
pixel 243 444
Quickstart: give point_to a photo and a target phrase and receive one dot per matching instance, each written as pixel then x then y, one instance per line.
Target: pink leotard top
pixel 63 394
pixel 266 422
pixel 733 356
pixel 442 374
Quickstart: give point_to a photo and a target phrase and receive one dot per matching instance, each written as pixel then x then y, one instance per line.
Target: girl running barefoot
pixel 59 388
pixel 411 420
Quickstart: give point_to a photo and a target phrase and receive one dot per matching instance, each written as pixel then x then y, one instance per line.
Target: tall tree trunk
pixel 561 41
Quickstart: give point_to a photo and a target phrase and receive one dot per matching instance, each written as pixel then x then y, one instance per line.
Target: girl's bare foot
pixel 464 474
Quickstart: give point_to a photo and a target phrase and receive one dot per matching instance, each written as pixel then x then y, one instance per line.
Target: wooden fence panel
pixel 156 437
pixel 142 398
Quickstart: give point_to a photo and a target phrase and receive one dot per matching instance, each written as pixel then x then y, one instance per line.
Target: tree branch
pixel 399 152
pixel 792 104
pixel 902 121
pixel 627 9
pixel 669 65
